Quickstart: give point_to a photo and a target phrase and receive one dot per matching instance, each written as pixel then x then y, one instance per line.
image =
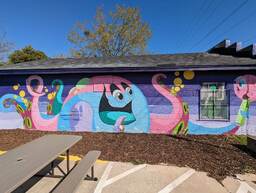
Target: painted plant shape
pixel 21 103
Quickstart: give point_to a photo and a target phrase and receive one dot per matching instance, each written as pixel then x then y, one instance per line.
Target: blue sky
pixel 177 25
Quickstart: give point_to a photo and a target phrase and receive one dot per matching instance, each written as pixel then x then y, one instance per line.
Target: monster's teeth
pixel 119 122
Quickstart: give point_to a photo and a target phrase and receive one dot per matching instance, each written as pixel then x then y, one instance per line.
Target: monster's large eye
pixel 242 82
pixel 129 90
pixel 126 87
pixel 117 94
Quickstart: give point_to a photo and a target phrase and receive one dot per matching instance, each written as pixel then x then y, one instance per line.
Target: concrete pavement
pixel 117 177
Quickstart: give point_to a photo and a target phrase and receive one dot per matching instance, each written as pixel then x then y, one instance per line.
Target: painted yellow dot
pixel 49 96
pixel 15 87
pixel 15 96
pixel 177 73
pixel 189 75
pixel 177 88
pixel 173 92
pixel 46 90
pixel 182 86
pixel 177 81
pixel 22 93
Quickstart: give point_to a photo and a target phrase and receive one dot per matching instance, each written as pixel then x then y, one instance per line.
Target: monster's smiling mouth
pixel 110 114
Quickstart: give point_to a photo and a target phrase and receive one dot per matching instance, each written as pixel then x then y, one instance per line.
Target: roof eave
pixel 127 69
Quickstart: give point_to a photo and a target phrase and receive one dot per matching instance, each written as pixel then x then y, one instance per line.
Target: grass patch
pixel 248 169
pixel 137 162
pixel 241 139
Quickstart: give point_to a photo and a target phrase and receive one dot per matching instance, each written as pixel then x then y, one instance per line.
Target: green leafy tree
pixel 122 33
pixel 26 54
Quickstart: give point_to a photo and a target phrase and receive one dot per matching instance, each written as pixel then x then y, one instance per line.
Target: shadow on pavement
pixel 32 181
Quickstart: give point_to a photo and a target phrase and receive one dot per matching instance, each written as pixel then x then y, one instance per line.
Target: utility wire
pixel 240 6
pixel 235 25
pixel 205 18
pixel 208 17
pixel 196 19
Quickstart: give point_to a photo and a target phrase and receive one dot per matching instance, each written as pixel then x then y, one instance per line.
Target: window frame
pixel 227 105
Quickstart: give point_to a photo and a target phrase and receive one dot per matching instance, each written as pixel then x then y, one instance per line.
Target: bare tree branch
pixel 5 47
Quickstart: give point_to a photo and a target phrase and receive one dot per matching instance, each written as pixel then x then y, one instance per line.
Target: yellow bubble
pixel 177 88
pixel 15 87
pixel 173 91
pixel 49 96
pixel 22 93
pixel 182 86
pixel 177 81
pixel 189 75
pixel 177 73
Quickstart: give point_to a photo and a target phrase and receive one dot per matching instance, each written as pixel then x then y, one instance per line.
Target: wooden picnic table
pixel 20 164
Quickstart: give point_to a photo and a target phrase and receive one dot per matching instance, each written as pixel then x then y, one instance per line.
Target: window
pixel 214 101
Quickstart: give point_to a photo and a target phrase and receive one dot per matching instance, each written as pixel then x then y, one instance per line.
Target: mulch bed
pixel 213 154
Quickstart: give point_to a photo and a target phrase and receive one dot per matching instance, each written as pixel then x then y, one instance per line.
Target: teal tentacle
pixel 57 103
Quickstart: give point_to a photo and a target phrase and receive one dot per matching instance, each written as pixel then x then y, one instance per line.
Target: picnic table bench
pixel 22 163
pixel 71 182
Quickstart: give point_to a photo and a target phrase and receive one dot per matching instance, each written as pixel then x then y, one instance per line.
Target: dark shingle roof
pixel 200 61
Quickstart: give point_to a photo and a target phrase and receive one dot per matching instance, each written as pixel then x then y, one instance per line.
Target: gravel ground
pixel 219 156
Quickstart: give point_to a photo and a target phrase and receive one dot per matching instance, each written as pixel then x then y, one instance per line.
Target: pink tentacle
pixel 161 123
pixel 39 122
pixel 38 91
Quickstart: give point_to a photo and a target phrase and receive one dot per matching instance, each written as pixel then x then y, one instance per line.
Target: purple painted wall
pixel 131 102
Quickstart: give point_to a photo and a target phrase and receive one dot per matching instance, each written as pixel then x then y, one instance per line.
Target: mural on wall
pixel 115 104
pixel 245 89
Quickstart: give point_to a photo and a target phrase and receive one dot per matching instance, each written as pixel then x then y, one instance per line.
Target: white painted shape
pixel 124 174
pixel 11 120
pixel 170 187
pixel 245 188
pixel 103 178
pixel 211 124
